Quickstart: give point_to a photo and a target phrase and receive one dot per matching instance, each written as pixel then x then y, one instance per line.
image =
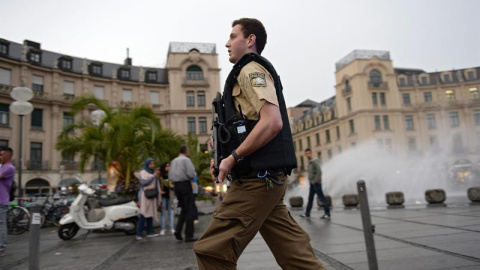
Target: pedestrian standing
pixel 7 172
pixel 166 208
pixel 315 179
pixel 148 207
pixel 181 173
pixel 261 157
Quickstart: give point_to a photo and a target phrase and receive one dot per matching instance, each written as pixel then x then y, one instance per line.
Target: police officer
pixel 253 204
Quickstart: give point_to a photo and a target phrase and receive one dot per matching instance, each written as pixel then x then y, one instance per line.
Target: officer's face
pixel 237 45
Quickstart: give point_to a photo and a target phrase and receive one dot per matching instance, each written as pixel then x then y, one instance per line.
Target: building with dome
pixel 179 93
pixel 408 112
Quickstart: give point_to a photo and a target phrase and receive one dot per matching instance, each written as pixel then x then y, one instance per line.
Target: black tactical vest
pixel 278 154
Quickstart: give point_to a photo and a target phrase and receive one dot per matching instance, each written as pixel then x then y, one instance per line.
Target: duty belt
pixel 272 175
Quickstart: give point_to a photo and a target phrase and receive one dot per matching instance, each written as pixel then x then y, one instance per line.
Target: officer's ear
pixel 252 41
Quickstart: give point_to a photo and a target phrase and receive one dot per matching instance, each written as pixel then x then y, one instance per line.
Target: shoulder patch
pixel 257 79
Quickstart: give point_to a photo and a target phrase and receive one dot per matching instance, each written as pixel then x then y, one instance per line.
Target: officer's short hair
pixel 308 150
pixel 253 26
pixel 183 149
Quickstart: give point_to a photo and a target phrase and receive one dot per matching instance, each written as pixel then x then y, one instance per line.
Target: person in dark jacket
pixel 181 173
pixel 315 179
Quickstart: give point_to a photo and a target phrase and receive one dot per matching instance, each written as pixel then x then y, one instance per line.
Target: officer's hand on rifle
pixel 225 166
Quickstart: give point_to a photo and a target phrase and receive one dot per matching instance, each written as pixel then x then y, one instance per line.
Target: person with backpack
pixel 7 172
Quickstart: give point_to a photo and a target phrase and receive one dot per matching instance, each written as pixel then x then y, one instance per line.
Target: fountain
pixel 385 171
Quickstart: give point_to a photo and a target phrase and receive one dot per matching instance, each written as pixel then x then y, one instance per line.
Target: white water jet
pixel 384 171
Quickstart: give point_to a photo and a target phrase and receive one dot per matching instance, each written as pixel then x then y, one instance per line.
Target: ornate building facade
pixel 180 94
pixel 405 111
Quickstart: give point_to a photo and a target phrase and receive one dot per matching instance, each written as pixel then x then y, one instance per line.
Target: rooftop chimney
pixel 128 60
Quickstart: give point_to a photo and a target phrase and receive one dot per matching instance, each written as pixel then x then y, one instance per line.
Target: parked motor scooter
pixel 120 214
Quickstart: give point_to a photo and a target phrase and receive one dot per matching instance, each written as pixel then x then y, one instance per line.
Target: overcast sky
pixel 305 38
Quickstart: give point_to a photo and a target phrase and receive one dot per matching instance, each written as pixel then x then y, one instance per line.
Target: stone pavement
pixel 416 237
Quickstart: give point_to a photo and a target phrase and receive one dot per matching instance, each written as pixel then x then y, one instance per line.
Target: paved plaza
pixel 414 237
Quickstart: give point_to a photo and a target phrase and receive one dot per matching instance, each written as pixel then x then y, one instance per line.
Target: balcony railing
pixel 194 75
pixel 381 85
pixel 5 88
pixel 70 165
pixel 41 95
pixel 192 80
pixel 39 165
pixel 37 87
pixel 347 90
pixel 445 103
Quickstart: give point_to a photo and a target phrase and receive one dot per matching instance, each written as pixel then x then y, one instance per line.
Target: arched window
pixel 194 73
pixel 375 77
pixel 38 185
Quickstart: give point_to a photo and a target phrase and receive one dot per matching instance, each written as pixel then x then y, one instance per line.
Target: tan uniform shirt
pixel 214 249
pixel 253 88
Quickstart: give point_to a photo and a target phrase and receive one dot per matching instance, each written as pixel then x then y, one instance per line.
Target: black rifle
pixel 217 120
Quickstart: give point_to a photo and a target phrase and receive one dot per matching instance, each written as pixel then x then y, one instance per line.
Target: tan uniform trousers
pixel 248 208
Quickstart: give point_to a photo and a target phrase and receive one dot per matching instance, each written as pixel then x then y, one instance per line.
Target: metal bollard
pixel 34 258
pixel 368 229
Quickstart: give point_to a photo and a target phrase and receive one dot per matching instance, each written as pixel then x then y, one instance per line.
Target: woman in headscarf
pixel 148 207
pixel 166 206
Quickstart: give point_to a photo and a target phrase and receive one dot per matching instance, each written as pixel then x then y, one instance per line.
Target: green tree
pixel 124 136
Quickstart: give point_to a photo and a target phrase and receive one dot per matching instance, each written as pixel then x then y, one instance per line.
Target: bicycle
pixel 18 219
pixel 52 211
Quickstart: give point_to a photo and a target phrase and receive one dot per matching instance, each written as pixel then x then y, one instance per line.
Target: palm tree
pixel 126 137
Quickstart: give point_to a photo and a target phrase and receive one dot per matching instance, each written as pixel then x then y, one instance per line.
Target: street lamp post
pixel 21 107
